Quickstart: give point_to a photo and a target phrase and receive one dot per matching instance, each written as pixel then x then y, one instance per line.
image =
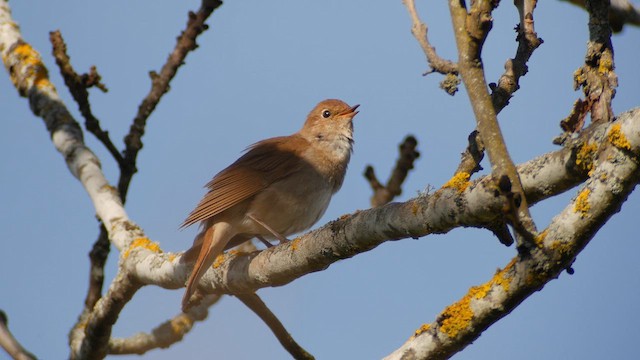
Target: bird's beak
pixel 352 111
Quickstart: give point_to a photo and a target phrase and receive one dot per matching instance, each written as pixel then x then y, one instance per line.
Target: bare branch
pixel 515 68
pixel 167 333
pixel 471 30
pixel 384 194
pixel 78 85
pixel 437 64
pixel 90 337
pixel 253 302
pixel 473 155
pixel 9 343
pixel 596 76
pixel 186 42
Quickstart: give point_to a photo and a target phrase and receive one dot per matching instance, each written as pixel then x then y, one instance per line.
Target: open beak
pixel 352 111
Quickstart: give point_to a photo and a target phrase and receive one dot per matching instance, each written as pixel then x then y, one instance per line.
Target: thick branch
pixel 186 42
pixel 470 32
pixel 457 204
pixel 31 79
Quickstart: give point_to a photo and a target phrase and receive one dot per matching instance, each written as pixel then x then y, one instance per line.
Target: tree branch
pixel 186 42
pixel 476 203
pixel 614 176
pixel 167 333
pixel 78 85
pixel 622 12
pixel 253 302
pixel 515 68
pixel 9 343
pixel 90 337
pixel 470 31
pixel 436 63
pixel 384 194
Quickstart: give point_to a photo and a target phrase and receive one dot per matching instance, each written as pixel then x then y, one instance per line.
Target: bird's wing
pixel 263 164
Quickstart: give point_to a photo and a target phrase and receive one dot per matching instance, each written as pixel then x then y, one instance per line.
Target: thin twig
pixel 437 64
pixel 78 85
pixel 253 302
pixel 9 343
pixel 473 155
pixel 186 43
pixel 384 194
pixel 528 42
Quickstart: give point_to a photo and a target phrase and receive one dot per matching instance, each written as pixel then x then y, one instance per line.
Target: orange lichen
pixel 617 138
pixel 582 205
pixel 457 317
pixel 584 157
pixel 459 181
pixel 295 243
pixel 218 261
pixel 142 242
pixel 172 257
pixel 30 58
pixel 420 330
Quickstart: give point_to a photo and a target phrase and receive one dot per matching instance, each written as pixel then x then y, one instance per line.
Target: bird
pixel 278 187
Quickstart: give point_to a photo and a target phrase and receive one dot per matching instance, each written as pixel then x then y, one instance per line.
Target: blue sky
pixel 259 70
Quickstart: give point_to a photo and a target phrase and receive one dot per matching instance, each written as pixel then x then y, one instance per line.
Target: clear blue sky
pixel 259 69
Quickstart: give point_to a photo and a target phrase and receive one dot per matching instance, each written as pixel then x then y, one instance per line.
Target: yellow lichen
pixel 458 316
pixel 579 77
pixel 33 63
pixel 421 329
pixel 218 261
pixel 539 240
pixel 584 157
pixel 181 324
pixel 172 257
pixel 582 205
pixel 605 65
pixel 459 181
pixel 562 247
pixel 295 243
pixel 142 242
pixel 617 138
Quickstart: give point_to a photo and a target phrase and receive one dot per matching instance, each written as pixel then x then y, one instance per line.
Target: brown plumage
pixel 279 187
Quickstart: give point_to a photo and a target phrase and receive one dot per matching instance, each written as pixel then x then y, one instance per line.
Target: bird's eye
pixel 326 114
